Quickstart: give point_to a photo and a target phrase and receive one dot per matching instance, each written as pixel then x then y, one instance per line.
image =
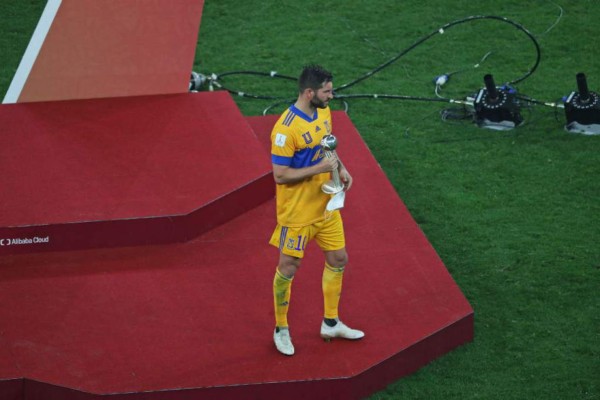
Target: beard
pixel 318 103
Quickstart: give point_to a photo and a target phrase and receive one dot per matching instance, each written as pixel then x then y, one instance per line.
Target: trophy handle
pixel 329 143
pixel 335 174
pixel 334 185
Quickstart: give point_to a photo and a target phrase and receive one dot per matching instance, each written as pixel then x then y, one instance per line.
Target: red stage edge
pixel 12 389
pixel 162 229
pixel 355 387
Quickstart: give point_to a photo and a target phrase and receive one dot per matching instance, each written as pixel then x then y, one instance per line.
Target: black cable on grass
pixel 457 114
pixel 556 104
pixel 289 101
pixel 441 31
pixel 393 96
pixel 272 74
pixel 215 80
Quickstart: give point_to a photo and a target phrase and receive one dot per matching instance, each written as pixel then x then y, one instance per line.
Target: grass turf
pixel 514 215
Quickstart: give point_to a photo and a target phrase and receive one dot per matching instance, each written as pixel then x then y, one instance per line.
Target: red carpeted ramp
pixel 83 49
pixel 125 171
pixel 194 320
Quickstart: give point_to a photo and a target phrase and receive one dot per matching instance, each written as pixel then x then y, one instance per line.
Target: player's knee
pixel 338 259
pixel 342 261
pixel 288 266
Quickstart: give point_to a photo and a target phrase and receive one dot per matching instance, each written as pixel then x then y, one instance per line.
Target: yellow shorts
pixel 328 234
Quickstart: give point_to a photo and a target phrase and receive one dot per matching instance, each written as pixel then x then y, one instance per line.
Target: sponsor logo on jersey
pixel 280 139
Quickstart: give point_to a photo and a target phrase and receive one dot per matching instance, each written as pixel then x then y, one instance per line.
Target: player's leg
pixel 332 241
pixel 282 287
pixel 291 243
pixel 333 275
pixel 282 292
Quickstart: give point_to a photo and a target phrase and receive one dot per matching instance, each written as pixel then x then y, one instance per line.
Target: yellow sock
pixel 332 289
pixel 282 291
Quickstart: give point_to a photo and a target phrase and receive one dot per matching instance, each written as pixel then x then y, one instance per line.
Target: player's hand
pixel 329 164
pixel 346 179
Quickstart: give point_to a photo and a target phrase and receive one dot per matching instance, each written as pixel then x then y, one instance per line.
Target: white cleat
pixel 283 341
pixel 340 330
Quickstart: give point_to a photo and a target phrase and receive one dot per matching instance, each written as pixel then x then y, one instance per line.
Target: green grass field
pixel 514 215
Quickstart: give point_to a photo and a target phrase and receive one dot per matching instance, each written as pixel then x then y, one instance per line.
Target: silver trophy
pixel 333 186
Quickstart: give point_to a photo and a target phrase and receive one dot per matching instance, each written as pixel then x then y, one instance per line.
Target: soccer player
pixel 300 168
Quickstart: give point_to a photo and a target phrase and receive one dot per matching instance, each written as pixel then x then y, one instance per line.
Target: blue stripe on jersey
pixel 304 158
pixel 281 160
pixel 302 115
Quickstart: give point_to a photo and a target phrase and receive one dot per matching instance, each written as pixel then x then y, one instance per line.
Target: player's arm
pixel 287 174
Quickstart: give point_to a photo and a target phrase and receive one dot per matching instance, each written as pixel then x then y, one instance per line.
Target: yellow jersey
pixel 296 143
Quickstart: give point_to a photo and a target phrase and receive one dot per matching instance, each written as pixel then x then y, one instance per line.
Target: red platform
pixel 194 320
pixel 125 171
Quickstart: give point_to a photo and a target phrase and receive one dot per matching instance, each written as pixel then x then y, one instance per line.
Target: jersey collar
pixel 302 115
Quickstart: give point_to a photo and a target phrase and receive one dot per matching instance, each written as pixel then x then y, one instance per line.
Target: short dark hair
pixel 313 76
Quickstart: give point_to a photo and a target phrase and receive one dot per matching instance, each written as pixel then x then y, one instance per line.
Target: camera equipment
pixel 196 81
pixel 496 108
pixel 582 109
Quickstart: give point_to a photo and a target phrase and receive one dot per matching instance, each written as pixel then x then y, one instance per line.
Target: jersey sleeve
pixel 283 145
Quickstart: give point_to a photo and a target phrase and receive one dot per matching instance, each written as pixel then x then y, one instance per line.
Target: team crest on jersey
pixel 327 127
pixel 307 138
pixel 291 243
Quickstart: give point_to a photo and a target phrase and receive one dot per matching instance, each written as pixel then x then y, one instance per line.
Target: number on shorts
pixel 301 243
